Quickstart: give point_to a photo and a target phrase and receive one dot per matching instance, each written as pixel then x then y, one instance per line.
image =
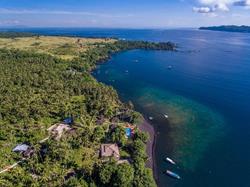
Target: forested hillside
pixel 38 90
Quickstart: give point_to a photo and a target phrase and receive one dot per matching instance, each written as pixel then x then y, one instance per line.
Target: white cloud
pixel 203 10
pixel 221 5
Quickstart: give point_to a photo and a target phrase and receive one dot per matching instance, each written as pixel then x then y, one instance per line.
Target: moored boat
pixel 172 174
pixel 166 116
pixel 170 161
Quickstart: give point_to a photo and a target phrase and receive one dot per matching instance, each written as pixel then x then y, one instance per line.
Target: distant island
pixel 228 28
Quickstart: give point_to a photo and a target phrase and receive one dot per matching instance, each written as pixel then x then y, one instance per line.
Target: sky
pixel 123 13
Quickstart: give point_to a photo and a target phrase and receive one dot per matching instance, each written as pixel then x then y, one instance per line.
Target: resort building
pixel 110 150
pixel 24 149
pixel 57 130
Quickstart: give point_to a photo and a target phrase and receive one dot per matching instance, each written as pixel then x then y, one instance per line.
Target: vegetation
pixel 61 47
pixel 228 28
pixel 127 45
pixel 39 89
pixel 15 34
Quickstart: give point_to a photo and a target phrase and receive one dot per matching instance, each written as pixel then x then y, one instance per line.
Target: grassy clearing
pixel 63 47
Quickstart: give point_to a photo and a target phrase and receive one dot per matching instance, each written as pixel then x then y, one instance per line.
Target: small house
pixel 24 149
pixel 57 130
pixel 110 150
pixel 21 148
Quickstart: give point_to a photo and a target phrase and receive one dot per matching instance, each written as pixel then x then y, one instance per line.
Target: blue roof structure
pixel 128 132
pixel 68 120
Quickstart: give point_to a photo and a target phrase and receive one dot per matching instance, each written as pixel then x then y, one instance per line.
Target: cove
pixel 191 127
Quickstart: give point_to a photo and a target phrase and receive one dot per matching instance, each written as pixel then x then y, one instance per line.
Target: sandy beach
pixel 147 127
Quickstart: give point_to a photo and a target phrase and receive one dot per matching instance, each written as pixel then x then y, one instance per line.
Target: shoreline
pixel 146 126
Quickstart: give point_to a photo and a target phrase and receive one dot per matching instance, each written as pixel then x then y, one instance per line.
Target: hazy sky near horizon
pixel 123 14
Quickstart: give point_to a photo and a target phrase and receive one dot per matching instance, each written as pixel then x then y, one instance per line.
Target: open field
pixel 63 47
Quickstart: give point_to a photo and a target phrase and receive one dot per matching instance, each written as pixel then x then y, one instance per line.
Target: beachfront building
pixel 110 150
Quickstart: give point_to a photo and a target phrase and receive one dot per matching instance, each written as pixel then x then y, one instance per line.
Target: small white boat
pixel 170 67
pixel 150 118
pixel 166 116
pixel 172 174
pixel 170 161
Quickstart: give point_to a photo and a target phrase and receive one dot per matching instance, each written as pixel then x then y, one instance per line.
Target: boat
pixel 170 67
pixel 165 115
pixel 170 161
pixel 172 174
pixel 150 118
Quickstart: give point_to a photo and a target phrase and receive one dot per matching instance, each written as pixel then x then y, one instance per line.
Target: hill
pixel 228 28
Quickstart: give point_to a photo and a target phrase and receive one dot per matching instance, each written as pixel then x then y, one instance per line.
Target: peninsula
pixel 228 28
pixel 58 125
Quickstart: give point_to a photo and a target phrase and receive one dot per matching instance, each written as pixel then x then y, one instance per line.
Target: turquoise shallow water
pixel 191 125
pixel 206 95
pixel 188 132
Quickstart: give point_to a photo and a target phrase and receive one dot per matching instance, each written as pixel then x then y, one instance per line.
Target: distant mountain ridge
pixel 228 28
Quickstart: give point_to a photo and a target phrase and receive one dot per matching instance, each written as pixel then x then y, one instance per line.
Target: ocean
pixel 204 88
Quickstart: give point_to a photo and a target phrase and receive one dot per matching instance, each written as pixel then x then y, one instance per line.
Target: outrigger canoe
pixel 170 161
pixel 172 174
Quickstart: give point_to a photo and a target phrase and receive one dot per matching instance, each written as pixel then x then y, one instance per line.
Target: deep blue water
pixel 206 95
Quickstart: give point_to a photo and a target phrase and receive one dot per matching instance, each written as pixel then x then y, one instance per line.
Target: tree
pixel 124 175
pixel 75 182
pixel 119 136
pixel 106 172
pixel 98 134
pixel 143 136
pixel 145 178
pixel 138 150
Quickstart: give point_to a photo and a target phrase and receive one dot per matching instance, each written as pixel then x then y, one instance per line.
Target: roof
pixel 108 150
pixel 128 132
pixel 58 129
pixel 68 120
pixel 21 148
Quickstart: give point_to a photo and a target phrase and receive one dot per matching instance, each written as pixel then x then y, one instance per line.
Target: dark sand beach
pixel 147 127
